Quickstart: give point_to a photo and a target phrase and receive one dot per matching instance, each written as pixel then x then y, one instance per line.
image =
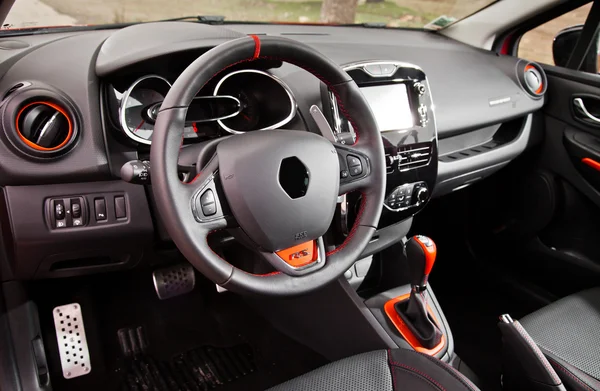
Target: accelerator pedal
pixel 174 280
pixel 72 343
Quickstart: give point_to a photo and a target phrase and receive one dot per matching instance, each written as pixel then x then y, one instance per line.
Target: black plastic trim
pixel 36 246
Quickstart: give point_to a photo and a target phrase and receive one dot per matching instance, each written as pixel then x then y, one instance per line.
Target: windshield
pixel 432 14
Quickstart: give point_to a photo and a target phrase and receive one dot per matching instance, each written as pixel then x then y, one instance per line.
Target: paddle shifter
pixel 420 253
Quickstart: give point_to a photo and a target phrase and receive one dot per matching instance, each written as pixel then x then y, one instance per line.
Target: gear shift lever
pixel 420 253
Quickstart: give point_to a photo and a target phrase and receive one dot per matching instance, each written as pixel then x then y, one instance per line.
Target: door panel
pixel 569 140
pixel 539 219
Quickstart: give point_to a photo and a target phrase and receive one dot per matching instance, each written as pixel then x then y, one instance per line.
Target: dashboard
pixel 449 114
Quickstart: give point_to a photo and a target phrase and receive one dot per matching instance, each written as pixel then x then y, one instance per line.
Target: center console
pixel 401 101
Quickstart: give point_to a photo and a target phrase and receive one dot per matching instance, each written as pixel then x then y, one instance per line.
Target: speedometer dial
pixel 137 113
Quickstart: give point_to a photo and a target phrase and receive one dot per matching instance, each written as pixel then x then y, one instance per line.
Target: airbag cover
pixel 250 167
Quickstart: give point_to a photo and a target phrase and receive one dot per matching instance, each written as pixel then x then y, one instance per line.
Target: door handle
pixel 583 111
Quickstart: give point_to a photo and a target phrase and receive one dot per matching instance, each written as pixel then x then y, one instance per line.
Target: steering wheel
pixel 279 186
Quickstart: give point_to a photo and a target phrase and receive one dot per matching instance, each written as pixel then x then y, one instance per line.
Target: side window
pixel 539 43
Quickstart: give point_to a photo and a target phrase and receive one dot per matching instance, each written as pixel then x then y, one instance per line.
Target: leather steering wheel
pixel 279 186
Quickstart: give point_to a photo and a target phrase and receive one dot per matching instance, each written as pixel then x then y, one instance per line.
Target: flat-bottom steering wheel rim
pixel 175 200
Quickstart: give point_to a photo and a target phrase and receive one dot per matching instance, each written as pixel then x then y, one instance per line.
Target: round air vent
pixel 44 126
pixel 532 78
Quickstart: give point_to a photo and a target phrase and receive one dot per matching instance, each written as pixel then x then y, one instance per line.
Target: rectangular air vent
pixel 413 156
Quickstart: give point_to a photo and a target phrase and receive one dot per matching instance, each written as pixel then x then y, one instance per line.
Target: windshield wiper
pixel 208 19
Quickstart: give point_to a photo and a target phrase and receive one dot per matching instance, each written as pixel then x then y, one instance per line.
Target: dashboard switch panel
pixel 66 212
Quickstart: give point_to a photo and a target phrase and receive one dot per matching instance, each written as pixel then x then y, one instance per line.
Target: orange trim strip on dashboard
pixel 300 255
pixel 35 146
pixel 405 331
pixel 591 162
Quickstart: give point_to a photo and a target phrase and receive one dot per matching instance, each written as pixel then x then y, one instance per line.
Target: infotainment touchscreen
pixel 390 105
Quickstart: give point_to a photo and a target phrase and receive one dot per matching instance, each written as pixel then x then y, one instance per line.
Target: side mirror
pixel 564 44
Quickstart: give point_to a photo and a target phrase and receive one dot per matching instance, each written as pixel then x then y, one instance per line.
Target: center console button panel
pixel 407 196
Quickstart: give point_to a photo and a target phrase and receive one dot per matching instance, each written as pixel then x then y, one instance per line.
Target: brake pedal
pixel 174 281
pixel 72 343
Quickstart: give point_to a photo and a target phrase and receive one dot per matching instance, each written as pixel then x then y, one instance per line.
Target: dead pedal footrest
pixel 72 343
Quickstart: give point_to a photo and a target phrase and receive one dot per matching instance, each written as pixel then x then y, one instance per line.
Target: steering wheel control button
pixel 120 210
pixel 209 209
pixel 344 174
pixel 100 209
pixel 354 165
pixel 207 203
pixel 356 171
pixel 353 161
pixel 208 197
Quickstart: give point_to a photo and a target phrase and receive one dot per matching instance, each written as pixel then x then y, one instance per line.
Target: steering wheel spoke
pixel 355 169
pixel 300 259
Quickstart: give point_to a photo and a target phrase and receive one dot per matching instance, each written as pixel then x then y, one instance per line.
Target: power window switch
pixel 100 209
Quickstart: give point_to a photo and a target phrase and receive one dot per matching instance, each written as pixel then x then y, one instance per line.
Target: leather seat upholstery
pixel 568 333
pixel 381 370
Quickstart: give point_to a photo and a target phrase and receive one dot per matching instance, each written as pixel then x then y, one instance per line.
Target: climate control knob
pixel 422 195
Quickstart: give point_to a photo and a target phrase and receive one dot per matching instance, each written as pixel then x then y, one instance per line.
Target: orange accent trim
pixel 405 331
pixel 591 162
pixel 430 254
pixel 300 255
pixel 539 90
pixel 35 146
pixel 256 46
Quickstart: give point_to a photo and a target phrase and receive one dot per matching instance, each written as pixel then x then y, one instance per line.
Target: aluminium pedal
pixel 174 280
pixel 72 342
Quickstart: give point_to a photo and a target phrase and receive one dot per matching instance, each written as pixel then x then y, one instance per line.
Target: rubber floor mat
pixel 202 368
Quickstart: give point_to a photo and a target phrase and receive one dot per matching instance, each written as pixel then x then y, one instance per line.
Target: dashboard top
pixel 464 81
